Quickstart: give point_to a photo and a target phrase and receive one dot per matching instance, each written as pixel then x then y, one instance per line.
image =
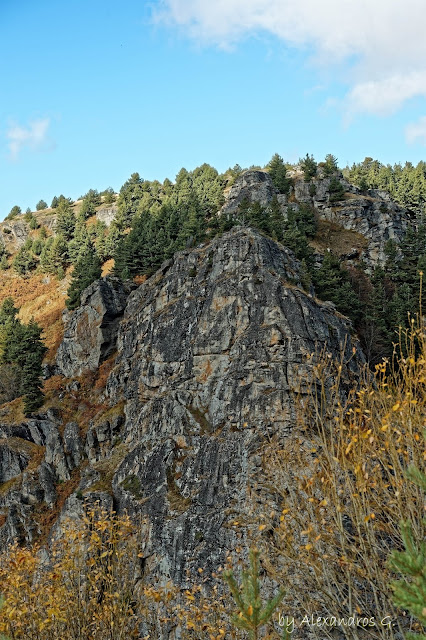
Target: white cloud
pixel 386 95
pixel 381 41
pixel 416 131
pixel 34 137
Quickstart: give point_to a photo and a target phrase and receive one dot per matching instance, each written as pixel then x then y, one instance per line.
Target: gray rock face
pixel 210 350
pixel 374 215
pixel 13 459
pixel 254 185
pixel 13 233
pixel 107 214
pixel 91 330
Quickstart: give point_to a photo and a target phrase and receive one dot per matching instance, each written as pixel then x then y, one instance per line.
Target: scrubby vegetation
pixel 21 356
pixel 332 500
pixel 406 184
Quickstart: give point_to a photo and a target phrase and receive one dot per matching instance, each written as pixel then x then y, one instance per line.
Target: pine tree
pixel 336 190
pixel 21 346
pixel 309 167
pixel 330 165
pixel 278 173
pixel 128 200
pixel 332 283
pixel 87 270
pixel 252 614
pixel 65 221
pixel 15 211
pixel 24 261
pixel 31 354
pixel 41 205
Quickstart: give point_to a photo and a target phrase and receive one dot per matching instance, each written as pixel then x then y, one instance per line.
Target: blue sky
pixel 92 91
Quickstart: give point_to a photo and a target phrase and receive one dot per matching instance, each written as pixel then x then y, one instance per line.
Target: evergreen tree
pixel 22 347
pixel 65 222
pixel 15 211
pixel 330 166
pixel 37 246
pixel 80 243
pixel 33 224
pixel 54 255
pixel 24 261
pixel 87 209
pixel 87 270
pixel 336 190
pixel 128 200
pixel 252 613
pixel 276 220
pixel 29 358
pixel 278 172
pixel 41 205
pixel 332 283
pixel 109 195
pixel 309 167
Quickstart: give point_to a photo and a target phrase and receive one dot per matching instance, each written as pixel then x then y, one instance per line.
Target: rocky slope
pixel 209 353
pixel 371 215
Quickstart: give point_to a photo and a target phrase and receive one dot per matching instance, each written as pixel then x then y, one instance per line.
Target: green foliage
pixel 81 242
pixel 33 224
pixel 41 205
pixel 22 349
pixel 24 261
pixel 329 165
pixel 278 172
pixel 336 189
pixel 93 196
pixel 332 283
pixel 65 223
pixel 309 167
pixel 54 255
pixel 128 200
pixel 15 211
pixel 108 195
pixel 57 201
pixel 87 209
pixel 86 271
pixel 37 246
pixel 406 184
pixel 4 263
pixel 252 614
pixel 410 590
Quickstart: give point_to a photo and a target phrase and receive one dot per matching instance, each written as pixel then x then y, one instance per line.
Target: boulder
pixel 91 330
pixel 211 350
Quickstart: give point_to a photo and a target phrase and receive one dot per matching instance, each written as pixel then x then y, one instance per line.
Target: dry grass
pixel 107 267
pixel 41 297
pixel 343 492
pixel 339 240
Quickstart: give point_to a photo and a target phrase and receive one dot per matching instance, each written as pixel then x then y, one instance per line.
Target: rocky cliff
pixel 372 215
pixel 209 353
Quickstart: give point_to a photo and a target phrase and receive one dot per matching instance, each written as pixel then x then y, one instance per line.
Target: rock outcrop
pixel 13 233
pixel 210 352
pixel 107 214
pixel 372 214
pixel 253 185
pixel 91 330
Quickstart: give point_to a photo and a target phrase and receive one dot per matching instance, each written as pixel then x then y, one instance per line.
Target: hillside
pixel 237 315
